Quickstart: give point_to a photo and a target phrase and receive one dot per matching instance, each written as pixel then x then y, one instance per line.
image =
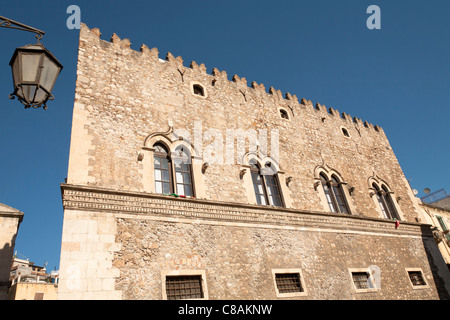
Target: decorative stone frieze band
pixel 137 203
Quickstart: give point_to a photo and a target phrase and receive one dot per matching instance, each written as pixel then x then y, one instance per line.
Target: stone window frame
pixel 290 294
pixel 148 170
pixel 426 286
pixel 329 172
pixel 373 192
pixel 201 273
pixel 196 83
pixel 370 277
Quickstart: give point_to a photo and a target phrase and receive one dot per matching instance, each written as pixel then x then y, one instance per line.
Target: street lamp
pixel 34 69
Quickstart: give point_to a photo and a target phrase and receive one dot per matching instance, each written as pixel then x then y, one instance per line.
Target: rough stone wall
pixel 118 245
pixel 118 236
pixel 123 95
pixel 239 260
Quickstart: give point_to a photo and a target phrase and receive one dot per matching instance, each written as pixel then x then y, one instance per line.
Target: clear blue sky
pixel 397 77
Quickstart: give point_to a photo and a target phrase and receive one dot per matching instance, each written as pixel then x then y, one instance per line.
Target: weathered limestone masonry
pixel 120 238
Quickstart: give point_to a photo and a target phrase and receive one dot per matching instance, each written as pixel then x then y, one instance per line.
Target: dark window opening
pixel 184 287
pixel 362 280
pixel 416 278
pixel 288 282
pixel 345 132
pixel 284 114
pixel 198 90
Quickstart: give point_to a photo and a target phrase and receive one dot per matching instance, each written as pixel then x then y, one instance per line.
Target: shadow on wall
pixel 6 254
pixel 439 269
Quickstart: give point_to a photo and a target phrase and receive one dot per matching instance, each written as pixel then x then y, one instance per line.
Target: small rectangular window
pixel 198 90
pixel 38 296
pixel 362 280
pixel 184 287
pixel 288 282
pixel 416 278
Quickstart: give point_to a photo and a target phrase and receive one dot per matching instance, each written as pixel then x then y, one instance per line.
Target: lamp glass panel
pixel 30 67
pixel 41 95
pixel 29 91
pixel 19 92
pixel 16 71
pixel 49 74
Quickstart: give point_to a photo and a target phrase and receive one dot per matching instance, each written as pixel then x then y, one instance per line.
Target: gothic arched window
pixel 334 194
pixel 163 169
pixel 173 174
pixel 266 185
pixel 183 173
pixel 385 201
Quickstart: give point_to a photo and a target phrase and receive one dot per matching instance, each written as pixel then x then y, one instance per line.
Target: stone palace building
pixel 187 185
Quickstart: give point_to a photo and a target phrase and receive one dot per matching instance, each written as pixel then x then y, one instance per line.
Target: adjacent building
pixel 31 282
pixel 10 220
pixel 185 184
pixel 437 213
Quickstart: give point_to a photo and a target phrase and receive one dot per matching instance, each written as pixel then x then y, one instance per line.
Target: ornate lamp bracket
pixel 11 24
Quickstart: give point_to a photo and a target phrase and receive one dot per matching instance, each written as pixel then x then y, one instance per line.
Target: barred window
pixel 288 282
pixel 416 278
pixel 184 287
pixel 362 280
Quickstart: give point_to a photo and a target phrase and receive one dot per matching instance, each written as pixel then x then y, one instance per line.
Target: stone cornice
pixel 18 215
pixel 90 198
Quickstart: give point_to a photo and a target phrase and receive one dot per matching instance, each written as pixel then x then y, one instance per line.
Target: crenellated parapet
pixel 256 90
